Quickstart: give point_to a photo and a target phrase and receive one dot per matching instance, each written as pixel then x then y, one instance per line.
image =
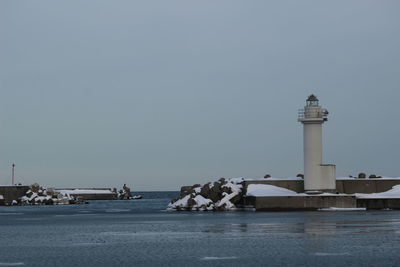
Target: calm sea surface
pixel 142 233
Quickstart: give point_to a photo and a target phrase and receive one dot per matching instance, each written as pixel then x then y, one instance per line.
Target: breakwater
pixel 12 192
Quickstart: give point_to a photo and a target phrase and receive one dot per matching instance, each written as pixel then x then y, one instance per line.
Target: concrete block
pixel 300 202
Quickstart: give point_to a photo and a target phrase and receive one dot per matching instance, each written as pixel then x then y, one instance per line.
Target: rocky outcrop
pixel 222 195
pixel 125 193
pixel 38 195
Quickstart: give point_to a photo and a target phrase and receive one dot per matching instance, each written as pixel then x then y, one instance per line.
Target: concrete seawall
pixel 300 202
pixel 108 193
pixel 345 186
pixel 96 196
pixel 310 202
pixel 11 193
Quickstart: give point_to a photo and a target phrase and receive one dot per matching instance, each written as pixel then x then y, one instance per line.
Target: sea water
pixel 143 233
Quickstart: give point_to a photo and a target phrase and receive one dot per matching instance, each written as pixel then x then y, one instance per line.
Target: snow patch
pixel 235 188
pixel 85 191
pixel 266 190
pixel 392 193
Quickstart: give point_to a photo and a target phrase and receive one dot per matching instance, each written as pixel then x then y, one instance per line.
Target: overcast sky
pixel 159 94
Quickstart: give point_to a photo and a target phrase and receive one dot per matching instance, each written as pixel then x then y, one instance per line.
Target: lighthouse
pixel 318 177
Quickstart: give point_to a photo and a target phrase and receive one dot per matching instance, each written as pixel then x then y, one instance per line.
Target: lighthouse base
pixel 317 192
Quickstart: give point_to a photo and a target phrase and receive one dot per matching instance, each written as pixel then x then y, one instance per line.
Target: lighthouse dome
pixel 312 100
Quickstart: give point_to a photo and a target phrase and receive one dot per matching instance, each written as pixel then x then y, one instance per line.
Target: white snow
pixel 392 193
pixel 266 190
pixel 355 178
pixel 180 203
pixel 85 191
pixel 200 200
pixel 299 178
pixel 272 179
pixel 236 190
pixel 201 203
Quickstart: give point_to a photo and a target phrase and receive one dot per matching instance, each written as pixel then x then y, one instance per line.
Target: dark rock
pixel 126 192
pixel 35 187
pixel 267 176
pixel 362 175
pixel 205 190
pixel 185 190
pixel 191 202
pixel 215 192
pixel 211 191
pixel 225 189
pixel 300 175
pixel 236 199
pixel 50 192
pixel 372 176
pixel 222 180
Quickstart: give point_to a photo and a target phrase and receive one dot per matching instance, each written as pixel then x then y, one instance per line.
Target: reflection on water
pixel 309 228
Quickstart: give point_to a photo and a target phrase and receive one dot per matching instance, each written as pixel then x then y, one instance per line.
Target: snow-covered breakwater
pixel 222 195
pixel 38 195
pixel 288 193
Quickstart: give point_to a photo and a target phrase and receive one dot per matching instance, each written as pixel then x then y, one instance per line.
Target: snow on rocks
pixel 38 195
pixel 124 193
pixel 221 195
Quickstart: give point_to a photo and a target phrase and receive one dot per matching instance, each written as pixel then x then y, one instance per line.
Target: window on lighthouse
pixel 312 101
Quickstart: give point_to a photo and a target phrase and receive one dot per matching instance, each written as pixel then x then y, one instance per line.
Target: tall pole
pixel 13 174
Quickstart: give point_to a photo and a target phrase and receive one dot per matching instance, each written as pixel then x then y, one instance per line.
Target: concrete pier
pixel 346 198
pixel 90 193
pixel 345 186
pixel 300 202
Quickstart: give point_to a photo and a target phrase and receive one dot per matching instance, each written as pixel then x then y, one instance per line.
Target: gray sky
pixel 159 94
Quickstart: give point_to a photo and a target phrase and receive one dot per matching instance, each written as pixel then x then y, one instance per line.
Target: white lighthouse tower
pixel 318 177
